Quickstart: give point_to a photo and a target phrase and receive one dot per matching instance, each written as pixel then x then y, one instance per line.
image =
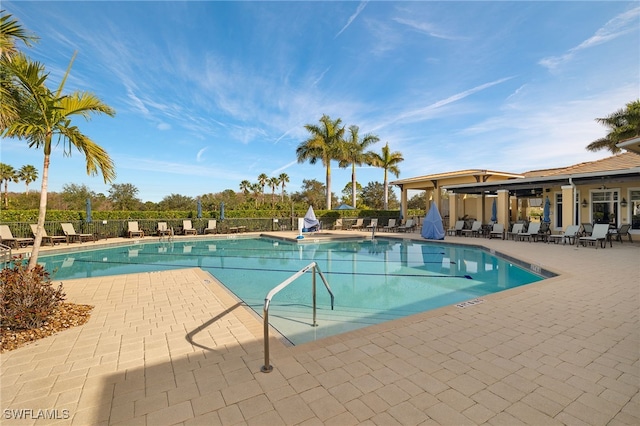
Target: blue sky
pixel 208 94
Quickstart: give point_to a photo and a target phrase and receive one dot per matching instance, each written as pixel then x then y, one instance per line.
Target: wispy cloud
pixel 425 28
pixel 360 8
pixel 200 154
pixel 429 111
pixel 621 24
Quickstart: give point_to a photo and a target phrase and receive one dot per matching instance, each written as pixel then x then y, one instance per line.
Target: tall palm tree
pixel 27 174
pixel 10 94
pixel 263 179
pixel 324 144
pixel 273 183
pixel 623 124
pixel 284 180
pixel 355 155
pixel 45 115
pixel 245 187
pixel 7 173
pixel 388 161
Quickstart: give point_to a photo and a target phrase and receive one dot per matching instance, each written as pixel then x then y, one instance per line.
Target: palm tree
pixel 256 189
pixel 262 181
pixel 273 183
pixel 324 144
pixel 46 114
pixel 284 180
pixel 245 186
pixel 7 173
pixel 389 162
pixel 27 174
pixel 623 124
pixel 10 94
pixel 355 155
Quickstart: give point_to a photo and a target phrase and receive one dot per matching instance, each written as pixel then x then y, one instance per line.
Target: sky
pixel 208 94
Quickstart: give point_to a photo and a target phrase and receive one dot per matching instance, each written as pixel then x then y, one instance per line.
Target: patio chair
pixel 531 232
pixel 212 227
pixel 359 223
pixel 133 230
pixel 474 231
pixel 187 228
pixel 515 230
pixel 72 235
pixel 338 224
pixel 52 239
pixel 617 234
pixel 408 226
pixel 497 231
pixel 587 229
pixel 373 224
pixel 569 234
pixel 457 228
pixel 163 229
pixel 7 238
pixel 600 234
pixel 390 226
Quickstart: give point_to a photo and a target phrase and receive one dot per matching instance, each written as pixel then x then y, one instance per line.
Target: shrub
pixel 27 298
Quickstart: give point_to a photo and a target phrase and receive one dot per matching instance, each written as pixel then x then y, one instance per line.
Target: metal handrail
pixel 5 253
pixel 267 368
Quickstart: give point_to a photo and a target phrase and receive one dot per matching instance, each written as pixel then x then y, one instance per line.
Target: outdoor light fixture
pixel 623 203
pixel 584 203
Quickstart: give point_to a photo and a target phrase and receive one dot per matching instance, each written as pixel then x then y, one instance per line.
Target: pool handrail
pixel 267 368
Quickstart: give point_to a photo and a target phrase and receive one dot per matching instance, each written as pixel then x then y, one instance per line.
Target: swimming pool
pixel 373 281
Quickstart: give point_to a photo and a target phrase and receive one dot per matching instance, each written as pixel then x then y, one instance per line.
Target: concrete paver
pixel 175 348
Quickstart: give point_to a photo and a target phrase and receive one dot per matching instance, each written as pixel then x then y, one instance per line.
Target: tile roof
pixel 622 161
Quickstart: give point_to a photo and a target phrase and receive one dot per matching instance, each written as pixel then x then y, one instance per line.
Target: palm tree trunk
pixel 33 261
pixel 386 191
pixel 353 185
pixel 328 186
pixel 6 194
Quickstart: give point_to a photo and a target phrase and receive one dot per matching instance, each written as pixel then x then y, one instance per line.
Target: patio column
pixel 514 209
pixel 403 203
pixel 503 207
pixel 480 208
pixel 453 208
pixel 568 205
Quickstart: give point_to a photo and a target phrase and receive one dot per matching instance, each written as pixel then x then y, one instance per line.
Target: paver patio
pixel 173 347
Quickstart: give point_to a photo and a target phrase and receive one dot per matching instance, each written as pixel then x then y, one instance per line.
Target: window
pixel 634 205
pixel 558 209
pixel 604 207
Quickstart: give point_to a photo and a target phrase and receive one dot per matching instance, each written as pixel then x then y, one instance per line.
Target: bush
pixel 27 298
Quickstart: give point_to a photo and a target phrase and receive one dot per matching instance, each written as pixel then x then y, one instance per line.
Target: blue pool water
pixel 373 281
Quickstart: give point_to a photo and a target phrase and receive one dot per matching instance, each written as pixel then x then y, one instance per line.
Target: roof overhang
pixel 441 179
pixel 535 185
pixel 632 145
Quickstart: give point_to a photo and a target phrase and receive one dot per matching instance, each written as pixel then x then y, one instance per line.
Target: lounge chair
pixel 569 234
pixel 409 226
pixel 497 231
pixel 72 235
pixel 475 229
pixel 187 228
pixel 7 238
pixel 623 231
pixel 163 229
pixel 531 232
pixel 373 224
pixel 457 228
pixel 391 226
pixel 600 235
pixel 515 230
pixel 587 229
pixel 338 224
pixel 212 227
pixel 359 223
pixel 133 230
pixel 52 239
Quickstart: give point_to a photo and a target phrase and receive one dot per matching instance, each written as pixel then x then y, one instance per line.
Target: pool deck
pixel 173 347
